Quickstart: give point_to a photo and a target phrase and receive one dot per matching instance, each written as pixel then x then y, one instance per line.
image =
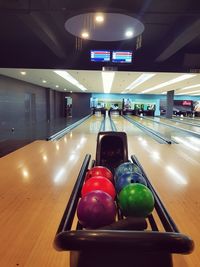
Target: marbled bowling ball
pixel 96 209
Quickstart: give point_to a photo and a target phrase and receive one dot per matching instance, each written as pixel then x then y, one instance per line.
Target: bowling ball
pixel 98 183
pixel 96 209
pixel 126 167
pixel 99 171
pixel 136 200
pixel 129 178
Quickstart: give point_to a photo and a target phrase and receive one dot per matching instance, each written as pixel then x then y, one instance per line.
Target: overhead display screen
pixel 100 55
pixel 122 57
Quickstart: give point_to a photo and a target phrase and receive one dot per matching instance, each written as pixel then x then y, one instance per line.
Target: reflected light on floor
pixel 45 158
pixel 72 157
pixel 78 146
pixel 57 147
pixel 155 155
pixel 185 143
pixel 59 175
pixel 177 177
pixel 194 139
pixel 65 139
pixel 25 173
pixel 71 135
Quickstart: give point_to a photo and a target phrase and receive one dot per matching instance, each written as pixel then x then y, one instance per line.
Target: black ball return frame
pixel 122 245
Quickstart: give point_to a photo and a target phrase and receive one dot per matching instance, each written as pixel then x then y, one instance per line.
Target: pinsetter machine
pixel 127 242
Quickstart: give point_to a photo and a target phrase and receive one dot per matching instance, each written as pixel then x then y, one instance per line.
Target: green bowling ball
pixel 136 200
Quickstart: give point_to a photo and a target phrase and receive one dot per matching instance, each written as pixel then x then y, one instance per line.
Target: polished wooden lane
pixel 174 171
pixel 36 182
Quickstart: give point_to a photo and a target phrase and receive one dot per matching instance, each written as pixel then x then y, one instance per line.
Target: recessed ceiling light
pixel 85 35
pixel 99 18
pixel 23 73
pixel 44 81
pixel 71 92
pixel 129 33
pixel 65 89
pixel 57 86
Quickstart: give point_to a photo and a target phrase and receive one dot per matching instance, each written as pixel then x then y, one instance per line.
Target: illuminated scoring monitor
pixel 122 56
pixel 100 55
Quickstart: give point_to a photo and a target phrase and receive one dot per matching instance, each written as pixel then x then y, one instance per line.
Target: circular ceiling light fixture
pixel 114 27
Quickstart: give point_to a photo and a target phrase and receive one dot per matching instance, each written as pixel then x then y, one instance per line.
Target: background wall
pixel 21 102
pixel 80 104
pixel 29 112
pixel 146 98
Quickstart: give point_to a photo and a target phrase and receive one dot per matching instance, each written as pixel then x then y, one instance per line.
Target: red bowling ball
pixel 99 171
pixel 96 209
pixel 98 183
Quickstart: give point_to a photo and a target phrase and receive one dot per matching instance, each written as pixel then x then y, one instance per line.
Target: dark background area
pixel 33 34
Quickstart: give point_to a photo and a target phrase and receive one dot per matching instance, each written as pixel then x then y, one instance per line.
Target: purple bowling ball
pixel 96 209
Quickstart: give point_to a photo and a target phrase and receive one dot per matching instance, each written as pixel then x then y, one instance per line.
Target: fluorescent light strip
pixel 141 79
pixel 192 86
pixel 178 79
pixel 65 75
pixel 186 93
pixel 107 77
pixel 196 94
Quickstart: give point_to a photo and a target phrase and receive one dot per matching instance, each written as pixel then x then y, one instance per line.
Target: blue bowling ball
pixel 126 167
pixel 129 178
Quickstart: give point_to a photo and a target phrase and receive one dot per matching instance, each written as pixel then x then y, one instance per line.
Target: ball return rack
pixel 127 242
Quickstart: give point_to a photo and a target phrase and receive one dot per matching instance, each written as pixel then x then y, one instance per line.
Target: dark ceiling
pixel 32 34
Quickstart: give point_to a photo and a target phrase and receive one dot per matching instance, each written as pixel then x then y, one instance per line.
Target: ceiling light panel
pixel 191 86
pixel 141 79
pixel 175 80
pixel 107 77
pixel 65 75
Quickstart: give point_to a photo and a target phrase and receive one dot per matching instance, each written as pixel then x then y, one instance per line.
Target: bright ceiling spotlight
pixel 129 33
pixel 23 73
pixel 99 18
pixel 85 35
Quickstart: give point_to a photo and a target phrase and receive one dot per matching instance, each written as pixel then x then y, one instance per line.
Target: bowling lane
pixel 178 124
pixel 174 172
pixel 195 120
pixel 36 182
pixel 132 130
pixel 186 140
